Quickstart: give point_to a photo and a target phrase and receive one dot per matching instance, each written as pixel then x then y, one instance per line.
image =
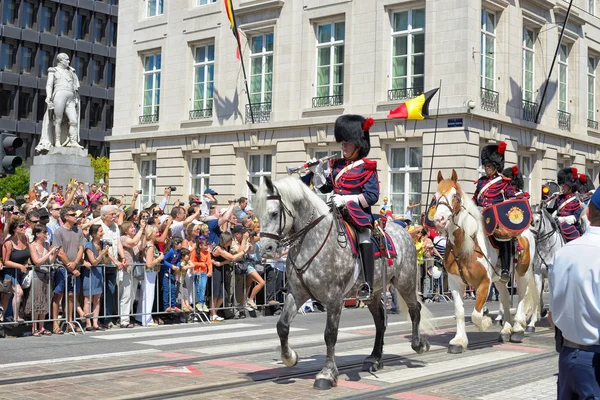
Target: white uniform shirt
pixel 574 277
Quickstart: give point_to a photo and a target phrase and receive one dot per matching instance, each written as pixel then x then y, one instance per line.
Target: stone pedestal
pixel 60 165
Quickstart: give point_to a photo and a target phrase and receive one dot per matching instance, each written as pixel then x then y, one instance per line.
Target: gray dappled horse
pixel 319 268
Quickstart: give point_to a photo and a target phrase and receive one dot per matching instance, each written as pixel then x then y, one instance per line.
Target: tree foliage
pixel 17 184
pixel 101 166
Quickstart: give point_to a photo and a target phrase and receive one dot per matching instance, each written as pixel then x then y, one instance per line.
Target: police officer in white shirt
pixel 574 276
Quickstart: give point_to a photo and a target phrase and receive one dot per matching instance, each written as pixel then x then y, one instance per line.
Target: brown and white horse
pixel 470 259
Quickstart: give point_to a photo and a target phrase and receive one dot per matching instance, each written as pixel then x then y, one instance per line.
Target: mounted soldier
pixel 567 208
pixel 494 188
pixel 516 181
pixel 585 188
pixel 354 182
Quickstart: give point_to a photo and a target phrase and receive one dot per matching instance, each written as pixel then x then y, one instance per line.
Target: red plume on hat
pixel 515 170
pixel 366 126
pixel 574 172
pixel 583 178
pixel 501 148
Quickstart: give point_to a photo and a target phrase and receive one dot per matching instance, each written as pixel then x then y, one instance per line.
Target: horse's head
pixel 447 201
pixel 275 218
pixel 542 222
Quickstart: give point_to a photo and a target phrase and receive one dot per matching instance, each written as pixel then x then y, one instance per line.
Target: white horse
pixel 470 259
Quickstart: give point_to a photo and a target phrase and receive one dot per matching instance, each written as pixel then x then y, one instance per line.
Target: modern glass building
pixel 33 33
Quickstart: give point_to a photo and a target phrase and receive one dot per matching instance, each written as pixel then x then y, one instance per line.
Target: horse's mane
pixel 292 191
pixel 469 220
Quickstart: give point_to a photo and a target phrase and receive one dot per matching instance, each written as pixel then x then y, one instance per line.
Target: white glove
pixel 338 200
pixel 570 219
pixel 312 164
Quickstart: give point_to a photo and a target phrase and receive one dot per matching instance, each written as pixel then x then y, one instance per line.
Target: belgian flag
pixel 234 29
pixel 415 108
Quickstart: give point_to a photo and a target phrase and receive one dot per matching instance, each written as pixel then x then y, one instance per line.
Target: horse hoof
pixel 455 349
pixel 517 337
pixel 504 337
pixel 544 313
pixel 372 365
pixel 530 329
pixel 291 361
pixel 323 384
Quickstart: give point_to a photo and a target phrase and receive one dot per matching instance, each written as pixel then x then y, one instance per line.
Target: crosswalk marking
pixel 78 358
pixel 315 339
pixel 456 364
pixel 166 332
pixel 399 349
pixel 257 334
pixel 542 389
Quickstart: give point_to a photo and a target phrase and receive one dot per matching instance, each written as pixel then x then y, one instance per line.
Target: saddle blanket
pixel 351 234
pixel 570 232
pixel 511 217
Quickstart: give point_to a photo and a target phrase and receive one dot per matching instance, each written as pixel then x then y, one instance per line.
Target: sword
pixel 291 170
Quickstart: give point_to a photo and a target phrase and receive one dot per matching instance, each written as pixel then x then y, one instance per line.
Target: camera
pixel 9 207
pixel 253 233
pixel 173 188
pixel 140 191
pixel 105 243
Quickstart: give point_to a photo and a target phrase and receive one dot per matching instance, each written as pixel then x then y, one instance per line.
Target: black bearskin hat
pixel 569 177
pixel 516 177
pixel 354 129
pixel 585 184
pixel 494 154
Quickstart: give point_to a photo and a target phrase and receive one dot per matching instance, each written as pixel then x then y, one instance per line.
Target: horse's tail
pixel 427 325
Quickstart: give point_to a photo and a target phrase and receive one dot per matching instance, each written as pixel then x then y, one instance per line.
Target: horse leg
pixel 460 341
pixel 480 317
pixel 409 304
pixel 505 301
pixel 374 362
pixel 500 316
pixel 537 277
pixel 327 377
pixel 520 320
pixel 290 309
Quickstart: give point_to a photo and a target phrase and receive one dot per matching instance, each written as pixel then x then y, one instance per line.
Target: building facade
pixel 33 33
pixel 182 116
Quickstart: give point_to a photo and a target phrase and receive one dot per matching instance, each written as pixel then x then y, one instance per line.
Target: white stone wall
pixel 296 130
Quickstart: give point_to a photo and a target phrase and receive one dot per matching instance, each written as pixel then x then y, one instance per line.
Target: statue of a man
pixel 63 112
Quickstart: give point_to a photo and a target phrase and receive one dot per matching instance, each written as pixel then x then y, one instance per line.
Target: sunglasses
pixel 35 221
pixel 21 226
pixel 72 214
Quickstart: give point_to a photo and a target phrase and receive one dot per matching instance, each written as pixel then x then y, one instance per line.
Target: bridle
pixel 283 210
pixel 540 238
pixel 454 210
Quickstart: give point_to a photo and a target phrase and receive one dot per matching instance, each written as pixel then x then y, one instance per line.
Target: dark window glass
pixel 110 75
pixel 64 22
pixel 41 105
pixel 112 33
pixel 9 12
pixel 25 105
pixel 95 114
pixel 96 72
pixel 98 30
pixel 82 26
pixel 44 57
pixel 46 19
pixel 109 117
pixel 8 56
pixel 80 64
pixel 6 102
pixel 83 101
pixel 27 15
pixel 27 59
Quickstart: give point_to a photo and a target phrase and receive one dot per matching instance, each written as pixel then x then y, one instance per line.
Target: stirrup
pixel 504 276
pixel 365 292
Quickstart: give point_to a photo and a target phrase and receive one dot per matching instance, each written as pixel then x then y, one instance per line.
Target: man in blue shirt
pixel 574 277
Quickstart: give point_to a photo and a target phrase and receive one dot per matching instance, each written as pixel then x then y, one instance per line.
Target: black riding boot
pixel 505 259
pixel 368 262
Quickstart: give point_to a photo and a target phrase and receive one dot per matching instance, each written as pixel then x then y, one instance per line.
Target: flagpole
pixel 437 114
pixel 237 38
pixel 562 32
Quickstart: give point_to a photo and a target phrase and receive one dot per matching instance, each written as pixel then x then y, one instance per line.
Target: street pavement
pixel 239 359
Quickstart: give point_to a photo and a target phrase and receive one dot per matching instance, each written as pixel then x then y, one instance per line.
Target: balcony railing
pixel 564 120
pixel 327 101
pixel 489 100
pixel 406 93
pixel 260 111
pixel 201 114
pixel 148 119
pixel 592 124
pixel 529 110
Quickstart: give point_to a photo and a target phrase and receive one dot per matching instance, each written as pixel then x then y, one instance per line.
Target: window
pixel 408 50
pixel 82 25
pixel 41 106
pixel 147 180
pixel 563 70
pixel 8 56
pixel 204 76
pixel 151 102
pixel 528 64
pixel 27 12
pixel 98 30
pixel 560 165
pixel 155 7
pixel 405 171
pixel 110 74
pixel 261 68
pixel 259 165
pixel 9 12
pixel 318 154
pixel 6 101
pixel 83 103
pixel 44 58
pixel 592 7
pixel 112 33
pixel 64 22
pixel 27 59
pixel 80 64
pixel 591 78
pixel 109 117
pixel 203 2
pixel 96 114
pixel 25 103
pixel 525 167
pixel 488 43
pixel 592 172
pixel 200 175
pixel 96 72
pixel 46 19
pixel 330 61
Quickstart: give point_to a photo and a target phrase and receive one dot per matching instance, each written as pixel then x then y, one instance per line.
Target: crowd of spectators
pixel 76 254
